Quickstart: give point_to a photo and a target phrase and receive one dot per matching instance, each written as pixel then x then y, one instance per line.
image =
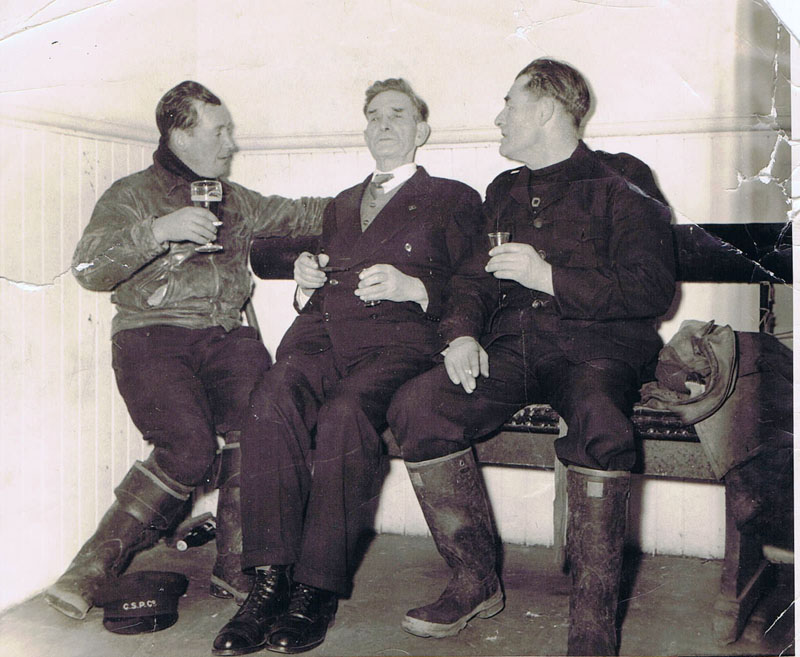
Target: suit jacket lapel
pixel 348 212
pixel 398 214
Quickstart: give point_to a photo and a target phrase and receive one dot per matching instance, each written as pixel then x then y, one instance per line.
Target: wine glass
pixel 208 194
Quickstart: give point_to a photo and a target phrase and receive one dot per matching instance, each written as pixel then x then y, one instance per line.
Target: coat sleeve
pixel 328 228
pixel 117 242
pixel 276 216
pixel 637 280
pixel 473 293
pixel 463 225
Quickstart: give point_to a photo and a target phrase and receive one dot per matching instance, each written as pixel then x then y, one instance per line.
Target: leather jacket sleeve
pixel 276 216
pixel 117 242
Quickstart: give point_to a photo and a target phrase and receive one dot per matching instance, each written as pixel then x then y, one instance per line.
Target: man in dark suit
pixel 564 313
pixel 369 305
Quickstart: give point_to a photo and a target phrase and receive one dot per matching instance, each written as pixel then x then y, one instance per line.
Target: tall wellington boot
pixel 227 578
pixel 148 501
pixel 597 514
pixel 453 500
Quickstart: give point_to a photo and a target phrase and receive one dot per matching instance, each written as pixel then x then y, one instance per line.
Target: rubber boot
pixel 597 513
pixel 148 502
pixel 453 500
pixel 227 578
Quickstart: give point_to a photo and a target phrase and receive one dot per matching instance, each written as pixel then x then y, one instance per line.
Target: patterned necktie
pixel 376 186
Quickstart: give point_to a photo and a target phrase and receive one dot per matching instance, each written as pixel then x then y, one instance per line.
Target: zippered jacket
pixel 170 283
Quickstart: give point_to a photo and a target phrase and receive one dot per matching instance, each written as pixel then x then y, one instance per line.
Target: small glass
pixel 374 302
pixel 208 194
pixel 498 238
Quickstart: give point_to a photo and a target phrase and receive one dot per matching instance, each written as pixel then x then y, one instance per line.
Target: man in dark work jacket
pixel 320 409
pixel 565 314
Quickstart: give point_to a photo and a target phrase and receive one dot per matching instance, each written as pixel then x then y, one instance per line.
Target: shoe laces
pixel 302 597
pixel 264 587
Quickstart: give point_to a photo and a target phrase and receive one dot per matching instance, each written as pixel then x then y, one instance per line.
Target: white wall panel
pixel 60 414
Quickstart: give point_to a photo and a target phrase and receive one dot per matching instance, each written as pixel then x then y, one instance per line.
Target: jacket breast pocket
pixel 586 245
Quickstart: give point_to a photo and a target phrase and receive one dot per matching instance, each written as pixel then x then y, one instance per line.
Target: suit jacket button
pixel 536 304
pixel 333 281
pixel 538 223
pixel 542 254
pixel 373 316
pixel 326 317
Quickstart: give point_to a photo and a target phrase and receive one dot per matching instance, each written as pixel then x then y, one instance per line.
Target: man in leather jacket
pixel 564 313
pixel 184 362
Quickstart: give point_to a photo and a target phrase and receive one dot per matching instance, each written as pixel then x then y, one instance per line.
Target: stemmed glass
pixel 208 194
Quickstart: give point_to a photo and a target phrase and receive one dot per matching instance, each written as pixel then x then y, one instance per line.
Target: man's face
pixel 208 147
pixel 519 123
pixel 392 132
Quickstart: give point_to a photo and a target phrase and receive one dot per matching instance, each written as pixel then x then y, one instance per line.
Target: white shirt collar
pixel 401 174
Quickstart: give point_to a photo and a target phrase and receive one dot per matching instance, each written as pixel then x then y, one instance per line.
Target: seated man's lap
pixel 596 399
pixel 369 384
pixel 432 417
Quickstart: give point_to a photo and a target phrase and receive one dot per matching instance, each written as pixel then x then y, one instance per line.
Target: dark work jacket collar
pixel 172 173
pixel 394 217
pixel 579 166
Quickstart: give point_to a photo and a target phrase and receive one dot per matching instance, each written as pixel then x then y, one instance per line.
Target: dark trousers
pixel 431 417
pixel 312 460
pixel 184 386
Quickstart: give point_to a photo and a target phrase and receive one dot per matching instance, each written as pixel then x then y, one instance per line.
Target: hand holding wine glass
pixel 186 224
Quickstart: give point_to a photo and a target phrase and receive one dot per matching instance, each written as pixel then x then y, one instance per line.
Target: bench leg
pixel 560 506
pixel 744 574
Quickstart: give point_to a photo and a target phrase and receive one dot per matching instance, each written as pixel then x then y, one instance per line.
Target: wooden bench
pixel 722 253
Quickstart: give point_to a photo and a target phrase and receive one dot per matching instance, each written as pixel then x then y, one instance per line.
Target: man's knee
pixel 404 416
pixel 340 410
pixel 600 435
pixel 419 429
pixel 184 455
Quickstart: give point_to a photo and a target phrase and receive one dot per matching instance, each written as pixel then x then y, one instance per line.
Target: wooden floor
pixel 668 604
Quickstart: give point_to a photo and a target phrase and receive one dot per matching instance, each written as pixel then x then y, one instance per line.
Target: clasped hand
pixel 189 224
pixel 465 360
pixel 521 263
pixel 387 283
pixel 376 283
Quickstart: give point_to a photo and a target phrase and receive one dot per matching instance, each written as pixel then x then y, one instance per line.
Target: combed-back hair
pixel 397 84
pixel 560 81
pixel 176 109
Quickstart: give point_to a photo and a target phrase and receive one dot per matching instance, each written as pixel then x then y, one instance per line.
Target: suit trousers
pixel 431 417
pixel 184 386
pixel 313 460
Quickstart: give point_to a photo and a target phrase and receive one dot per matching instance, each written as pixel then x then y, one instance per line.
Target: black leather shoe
pixel 248 630
pixel 306 622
